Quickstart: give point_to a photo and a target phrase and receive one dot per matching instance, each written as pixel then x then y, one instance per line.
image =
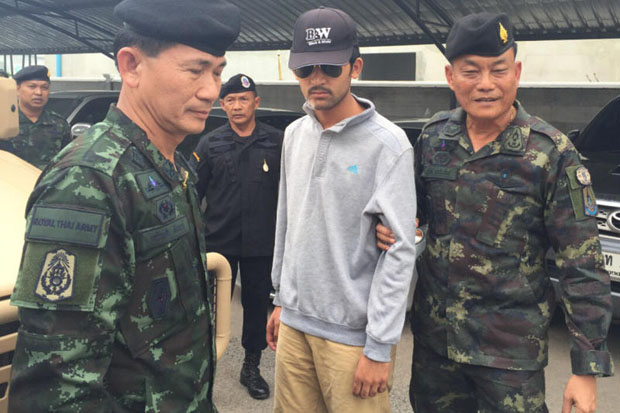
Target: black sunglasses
pixel 329 70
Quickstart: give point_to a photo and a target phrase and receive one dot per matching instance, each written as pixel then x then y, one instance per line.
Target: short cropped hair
pixel 129 38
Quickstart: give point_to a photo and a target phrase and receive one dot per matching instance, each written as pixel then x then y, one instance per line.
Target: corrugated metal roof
pixel 79 26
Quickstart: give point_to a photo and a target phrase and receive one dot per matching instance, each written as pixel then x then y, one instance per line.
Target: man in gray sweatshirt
pixel 340 303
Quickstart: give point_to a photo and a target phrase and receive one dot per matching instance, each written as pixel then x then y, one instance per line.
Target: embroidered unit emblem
pixel 513 142
pixel 159 298
pixel 441 158
pixel 589 202
pixel 583 176
pixel 56 279
pixel 165 209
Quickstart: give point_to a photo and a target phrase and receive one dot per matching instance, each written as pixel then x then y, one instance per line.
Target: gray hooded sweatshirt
pixel 335 186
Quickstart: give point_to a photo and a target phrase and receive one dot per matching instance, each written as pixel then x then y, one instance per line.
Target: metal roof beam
pixel 65 15
pixel 416 18
pixel 58 29
pixel 436 8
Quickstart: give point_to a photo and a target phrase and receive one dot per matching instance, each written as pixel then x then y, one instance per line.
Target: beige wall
pixel 543 61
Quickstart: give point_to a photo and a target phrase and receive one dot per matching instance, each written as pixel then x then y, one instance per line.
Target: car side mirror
pixel 79 129
pixel 572 135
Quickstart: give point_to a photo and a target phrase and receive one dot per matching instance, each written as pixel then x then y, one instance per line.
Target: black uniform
pixel 238 177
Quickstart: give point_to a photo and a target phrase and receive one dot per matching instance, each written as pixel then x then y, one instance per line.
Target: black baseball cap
pixel 482 34
pixel 210 26
pixel 322 36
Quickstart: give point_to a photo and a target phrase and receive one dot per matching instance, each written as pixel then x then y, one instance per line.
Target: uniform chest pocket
pixel 224 168
pixel 438 181
pixel 502 224
pixel 166 295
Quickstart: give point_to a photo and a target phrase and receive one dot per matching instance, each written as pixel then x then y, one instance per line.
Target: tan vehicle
pixel 17 179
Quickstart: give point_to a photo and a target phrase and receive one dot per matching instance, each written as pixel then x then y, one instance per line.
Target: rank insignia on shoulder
pixel 138 158
pixel 589 202
pixel 451 129
pixel 56 278
pixel 583 176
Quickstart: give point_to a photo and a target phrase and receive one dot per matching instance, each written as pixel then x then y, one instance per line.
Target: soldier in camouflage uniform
pixel 498 188
pixel 114 299
pixel 42 132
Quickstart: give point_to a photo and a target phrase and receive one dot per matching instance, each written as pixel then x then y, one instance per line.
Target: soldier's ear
pixel 129 60
pixel 518 68
pixel 449 71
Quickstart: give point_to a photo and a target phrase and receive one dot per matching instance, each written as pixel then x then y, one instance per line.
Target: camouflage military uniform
pixel 112 288
pixel 38 142
pixel 484 297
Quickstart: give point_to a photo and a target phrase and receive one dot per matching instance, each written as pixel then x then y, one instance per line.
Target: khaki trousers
pixel 316 375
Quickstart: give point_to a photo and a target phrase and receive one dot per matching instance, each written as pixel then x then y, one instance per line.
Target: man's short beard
pixel 327 105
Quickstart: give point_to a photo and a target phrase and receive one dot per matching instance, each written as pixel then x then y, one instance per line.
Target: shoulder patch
pixel 581 193
pixel 67 225
pixel 56 278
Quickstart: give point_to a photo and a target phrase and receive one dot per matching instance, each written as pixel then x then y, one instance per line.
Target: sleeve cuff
pixel 377 351
pixel 592 362
pixel 276 299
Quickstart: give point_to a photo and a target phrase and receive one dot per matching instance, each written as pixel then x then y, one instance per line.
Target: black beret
pixel 237 84
pixel 482 34
pixel 36 72
pixel 207 25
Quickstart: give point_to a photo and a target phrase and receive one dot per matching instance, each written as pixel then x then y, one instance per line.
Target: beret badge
pixel 245 82
pixel 503 33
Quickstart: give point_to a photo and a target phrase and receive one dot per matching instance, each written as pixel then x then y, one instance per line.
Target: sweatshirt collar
pixel 350 121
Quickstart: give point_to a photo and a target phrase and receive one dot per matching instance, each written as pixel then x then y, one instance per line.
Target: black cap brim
pixel 335 58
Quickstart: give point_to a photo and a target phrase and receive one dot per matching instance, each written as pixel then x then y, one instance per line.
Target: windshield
pixel 603 132
pixel 62 106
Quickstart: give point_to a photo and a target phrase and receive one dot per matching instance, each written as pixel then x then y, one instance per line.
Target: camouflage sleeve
pixel 419 183
pixel 586 296
pixel 72 287
pixel 66 134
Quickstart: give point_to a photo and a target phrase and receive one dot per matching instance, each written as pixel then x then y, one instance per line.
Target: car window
pixel 62 106
pixel 603 132
pixel 94 111
pixel 279 121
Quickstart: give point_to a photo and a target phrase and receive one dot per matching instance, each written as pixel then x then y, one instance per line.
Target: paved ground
pixel 231 397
